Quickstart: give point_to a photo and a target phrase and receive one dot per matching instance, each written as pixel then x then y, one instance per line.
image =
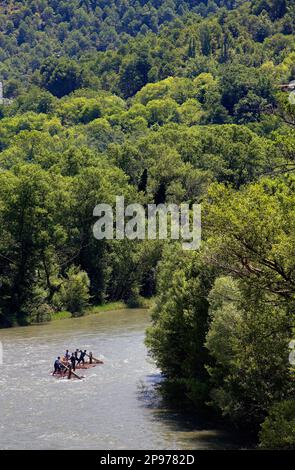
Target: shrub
pixel 135 300
pixel 42 313
pixel 278 429
pixel 74 294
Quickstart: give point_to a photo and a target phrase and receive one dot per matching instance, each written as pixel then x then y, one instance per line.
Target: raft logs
pixel 67 366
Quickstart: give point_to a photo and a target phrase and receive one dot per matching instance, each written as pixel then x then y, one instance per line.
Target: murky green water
pixel 114 407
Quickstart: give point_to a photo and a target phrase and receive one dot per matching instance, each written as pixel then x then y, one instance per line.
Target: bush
pixel 74 294
pixel 42 313
pixel 36 308
pixel 135 300
pixel 278 429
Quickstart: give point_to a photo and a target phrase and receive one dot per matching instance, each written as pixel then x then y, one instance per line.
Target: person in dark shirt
pixel 82 356
pixel 67 355
pixel 73 361
pixel 57 366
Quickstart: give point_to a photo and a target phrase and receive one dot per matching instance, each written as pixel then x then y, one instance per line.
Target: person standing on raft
pixel 76 354
pixel 73 361
pixel 82 356
pixel 57 366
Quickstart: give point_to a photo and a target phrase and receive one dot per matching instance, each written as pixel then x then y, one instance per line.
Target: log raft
pixel 70 373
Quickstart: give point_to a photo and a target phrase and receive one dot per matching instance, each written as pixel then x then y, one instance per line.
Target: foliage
pixel 278 429
pixel 260 256
pixel 73 294
pixel 176 339
pixel 159 101
pixel 61 77
pixel 250 373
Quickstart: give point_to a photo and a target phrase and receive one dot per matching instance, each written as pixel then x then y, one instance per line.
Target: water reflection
pixel 193 431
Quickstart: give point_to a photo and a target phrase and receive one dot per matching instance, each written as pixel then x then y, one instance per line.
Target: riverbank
pixel 92 310
pixel 107 307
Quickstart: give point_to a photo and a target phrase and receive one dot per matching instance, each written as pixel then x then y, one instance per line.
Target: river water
pixel 116 406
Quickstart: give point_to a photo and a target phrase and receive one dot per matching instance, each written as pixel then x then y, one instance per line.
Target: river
pixel 114 407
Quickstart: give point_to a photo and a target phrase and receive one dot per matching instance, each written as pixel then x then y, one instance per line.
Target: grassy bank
pixel 105 307
pixel 61 315
pixel 93 309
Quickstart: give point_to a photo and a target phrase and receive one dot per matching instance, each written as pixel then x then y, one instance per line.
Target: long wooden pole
pixel 74 373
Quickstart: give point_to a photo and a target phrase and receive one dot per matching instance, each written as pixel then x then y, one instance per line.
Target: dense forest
pixel 159 101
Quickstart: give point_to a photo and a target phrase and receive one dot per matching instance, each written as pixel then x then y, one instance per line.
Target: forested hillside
pixel 182 38
pixel 159 101
pixel 32 30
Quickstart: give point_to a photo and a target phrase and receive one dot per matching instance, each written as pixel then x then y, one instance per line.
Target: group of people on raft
pixel 71 361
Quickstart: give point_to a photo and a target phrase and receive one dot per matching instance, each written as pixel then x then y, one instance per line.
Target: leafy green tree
pixel 36 100
pixel 79 110
pixel 261 255
pixel 31 228
pixel 134 74
pixel 73 294
pixel 250 108
pixel 161 111
pixel 238 80
pixel 250 373
pixel 61 76
pixel 176 339
pixel 278 429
